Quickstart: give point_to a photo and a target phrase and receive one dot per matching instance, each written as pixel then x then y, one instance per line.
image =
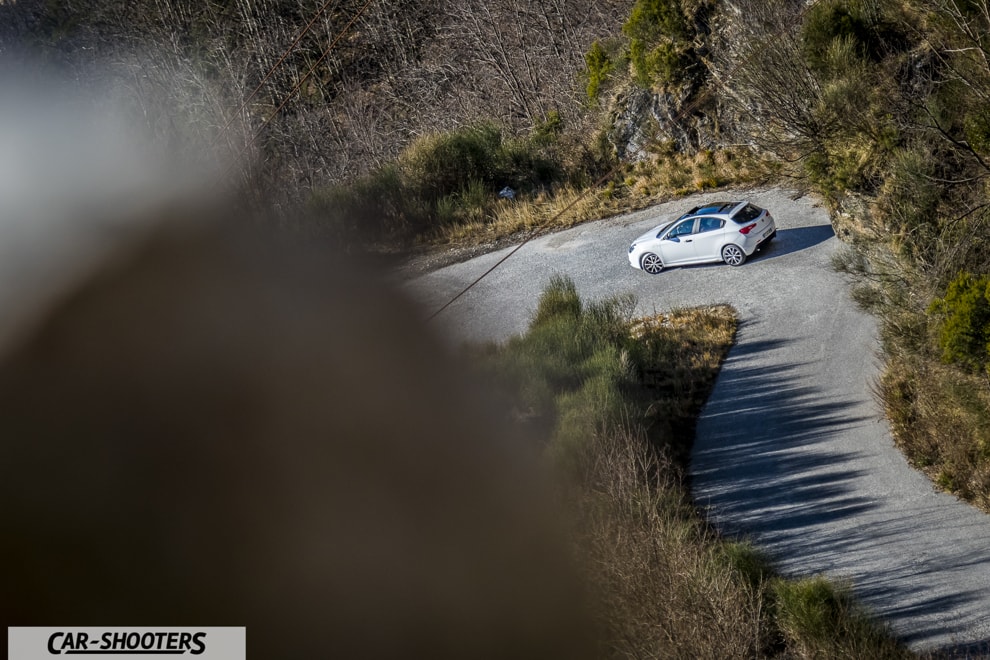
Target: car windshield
pixel 664 227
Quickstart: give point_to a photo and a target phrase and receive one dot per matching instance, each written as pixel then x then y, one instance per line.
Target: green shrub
pixel 810 609
pixel 752 564
pixel 373 205
pixel 977 129
pixel 475 199
pixel 442 180
pixel 560 298
pixel 831 21
pixel 822 620
pixel 659 46
pixel 665 63
pixel 548 131
pixel 599 67
pixel 964 312
pixel 839 166
pixel 651 20
pixel 572 369
pixel 873 30
pixel 436 166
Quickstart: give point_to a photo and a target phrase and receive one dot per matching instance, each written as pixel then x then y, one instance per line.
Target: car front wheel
pixel 733 255
pixel 651 263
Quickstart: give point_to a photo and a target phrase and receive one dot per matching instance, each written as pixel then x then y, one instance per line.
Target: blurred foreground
pixel 203 423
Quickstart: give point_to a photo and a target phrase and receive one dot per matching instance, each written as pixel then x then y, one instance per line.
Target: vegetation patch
pixel 613 399
pixel 883 104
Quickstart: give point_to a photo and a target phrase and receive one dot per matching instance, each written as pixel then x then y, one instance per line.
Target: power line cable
pixel 302 81
pixel 574 201
pixel 271 71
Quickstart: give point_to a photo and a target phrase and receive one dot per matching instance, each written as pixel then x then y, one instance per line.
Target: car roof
pixel 714 208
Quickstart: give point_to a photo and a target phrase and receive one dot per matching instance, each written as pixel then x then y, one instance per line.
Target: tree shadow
pixel 768 465
pixel 759 455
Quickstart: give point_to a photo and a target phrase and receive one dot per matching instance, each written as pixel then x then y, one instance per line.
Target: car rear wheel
pixel 651 263
pixel 733 255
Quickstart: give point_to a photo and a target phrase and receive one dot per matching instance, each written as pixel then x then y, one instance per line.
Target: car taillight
pixel 748 228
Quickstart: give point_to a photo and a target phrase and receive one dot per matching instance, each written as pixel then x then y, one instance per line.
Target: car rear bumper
pixel 753 245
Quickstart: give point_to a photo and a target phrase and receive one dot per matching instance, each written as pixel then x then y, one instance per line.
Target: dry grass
pixel 940 417
pixel 666 177
pixel 663 588
pixel 686 349
pixel 675 174
pixel 663 584
pixel 569 206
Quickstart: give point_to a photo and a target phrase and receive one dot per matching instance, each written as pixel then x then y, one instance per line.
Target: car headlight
pixel 632 247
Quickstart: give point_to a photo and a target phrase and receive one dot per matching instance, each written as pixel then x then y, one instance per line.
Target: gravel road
pixel 792 449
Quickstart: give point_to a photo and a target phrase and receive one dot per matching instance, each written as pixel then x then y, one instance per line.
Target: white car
pixel 723 231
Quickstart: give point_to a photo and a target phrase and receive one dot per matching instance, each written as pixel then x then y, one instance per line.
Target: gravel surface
pixel 792 449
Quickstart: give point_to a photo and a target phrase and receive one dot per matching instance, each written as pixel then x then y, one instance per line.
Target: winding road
pixel 792 450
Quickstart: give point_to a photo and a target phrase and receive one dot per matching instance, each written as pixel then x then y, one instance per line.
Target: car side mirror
pixel 674 238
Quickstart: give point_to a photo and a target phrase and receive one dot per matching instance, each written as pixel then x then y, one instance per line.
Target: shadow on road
pixel 768 464
pixel 789 241
pixel 759 458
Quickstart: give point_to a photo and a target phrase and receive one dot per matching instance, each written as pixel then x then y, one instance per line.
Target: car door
pixel 709 238
pixel 677 244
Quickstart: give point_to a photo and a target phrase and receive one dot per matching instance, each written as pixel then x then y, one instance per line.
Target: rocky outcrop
pixel 644 121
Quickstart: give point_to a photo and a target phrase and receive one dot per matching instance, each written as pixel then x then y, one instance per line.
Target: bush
pixel 659 46
pixel 559 299
pixel 964 332
pixel 822 620
pixel 442 180
pixel 573 361
pixel 371 206
pixel 809 609
pixel 910 196
pixel 828 22
pixel 599 67
pixel 651 20
pixel 841 165
pixel 439 165
pixel 977 129
pixel 861 24
pixel 753 565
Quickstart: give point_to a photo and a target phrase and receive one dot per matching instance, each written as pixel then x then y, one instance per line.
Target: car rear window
pixel 747 213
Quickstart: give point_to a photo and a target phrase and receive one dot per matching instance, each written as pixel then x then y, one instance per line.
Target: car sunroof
pixel 717 207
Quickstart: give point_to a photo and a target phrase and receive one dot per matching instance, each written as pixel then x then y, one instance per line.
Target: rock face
pixel 852 217
pixel 728 93
pixel 691 114
pixel 646 120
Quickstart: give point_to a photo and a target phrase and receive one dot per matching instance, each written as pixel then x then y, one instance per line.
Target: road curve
pixel 792 449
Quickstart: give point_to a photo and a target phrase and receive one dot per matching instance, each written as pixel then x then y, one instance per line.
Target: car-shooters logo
pixel 174 643
pixel 216 643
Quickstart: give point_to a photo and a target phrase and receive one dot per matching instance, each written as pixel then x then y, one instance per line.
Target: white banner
pixel 214 643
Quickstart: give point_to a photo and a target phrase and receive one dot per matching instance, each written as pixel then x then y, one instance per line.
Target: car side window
pixel 681 229
pixel 710 224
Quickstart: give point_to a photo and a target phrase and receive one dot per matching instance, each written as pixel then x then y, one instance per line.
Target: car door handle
pixel 688 240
